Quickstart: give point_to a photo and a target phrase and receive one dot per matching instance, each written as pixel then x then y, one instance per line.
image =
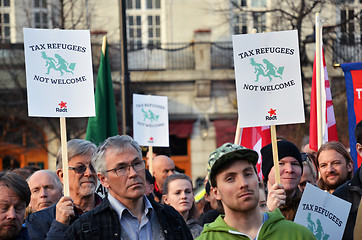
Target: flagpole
pixel 318 79
pixel 238 133
pixel 104 45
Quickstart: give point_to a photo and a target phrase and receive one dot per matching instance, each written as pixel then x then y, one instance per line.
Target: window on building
pixel 240 24
pixel 259 21
pixel 4 21
pixel 143 23
pixel 133 4
pixel 154 30
pixel 40 14
pixel 258 3
pixel 240 3
pixel 156 4
pixel 347 27
pixel 134 32
pixel 4 3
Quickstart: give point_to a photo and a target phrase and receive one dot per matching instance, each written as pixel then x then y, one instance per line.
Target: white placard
pixel 268 78
pixel 322 213
pixel 150 120
pixel 59 73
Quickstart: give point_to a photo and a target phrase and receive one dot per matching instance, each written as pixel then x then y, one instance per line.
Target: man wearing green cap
pixel 234 180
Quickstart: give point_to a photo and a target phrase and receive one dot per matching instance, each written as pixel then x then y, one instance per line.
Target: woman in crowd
pixel 177 192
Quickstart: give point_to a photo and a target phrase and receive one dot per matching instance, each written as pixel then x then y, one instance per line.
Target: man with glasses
pixel 126 213
pixel 309 172
pixel 52 222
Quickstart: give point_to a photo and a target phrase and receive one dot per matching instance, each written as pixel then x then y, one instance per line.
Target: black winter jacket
pixel 103 223
pixel 351 191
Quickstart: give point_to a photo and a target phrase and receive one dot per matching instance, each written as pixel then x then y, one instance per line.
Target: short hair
pixel 17 184
pixel 358 132
pixel 338 147
pixel 119 143
pixel 22 172
pixel 53 175
pixel 226 165
pixel 76 147
pixel 173 177
pixel 308 163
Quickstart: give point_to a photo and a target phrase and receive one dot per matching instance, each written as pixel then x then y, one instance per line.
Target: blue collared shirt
pixel 130 224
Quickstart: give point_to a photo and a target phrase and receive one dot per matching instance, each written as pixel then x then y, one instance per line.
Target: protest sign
pixel 268 78
pixel 59 73
pixel 322 213
pixel 150 120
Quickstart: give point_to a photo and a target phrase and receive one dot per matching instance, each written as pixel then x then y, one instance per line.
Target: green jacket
pixel 276 227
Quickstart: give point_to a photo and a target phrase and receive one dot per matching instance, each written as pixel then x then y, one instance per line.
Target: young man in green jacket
pixel 234 180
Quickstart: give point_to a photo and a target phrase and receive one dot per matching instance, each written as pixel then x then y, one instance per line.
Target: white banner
pixel 59 73
pixel 322 213
pixel 268 78
pixel 150 120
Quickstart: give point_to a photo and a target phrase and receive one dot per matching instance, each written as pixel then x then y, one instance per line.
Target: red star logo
pixel 272 112
pixel 151 138
pixel 62 104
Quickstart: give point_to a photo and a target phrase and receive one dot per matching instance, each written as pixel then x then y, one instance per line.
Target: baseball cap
pixel 228 152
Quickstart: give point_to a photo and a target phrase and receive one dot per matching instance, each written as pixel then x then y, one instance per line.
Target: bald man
pixel 163 167
pixel 46 189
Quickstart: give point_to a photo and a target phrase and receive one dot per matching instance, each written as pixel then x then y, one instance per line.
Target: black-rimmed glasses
pixel 122 170
pixel 82 168
pixel 305 157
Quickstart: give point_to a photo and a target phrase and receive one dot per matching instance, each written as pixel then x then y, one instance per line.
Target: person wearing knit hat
pixel 286 195
pixel 235 183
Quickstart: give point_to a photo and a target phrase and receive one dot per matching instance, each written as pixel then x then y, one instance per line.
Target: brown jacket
pixel 291 206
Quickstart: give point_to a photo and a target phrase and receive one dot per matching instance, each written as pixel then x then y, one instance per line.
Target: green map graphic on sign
pixel 58 65
pixel 267 70
pixel 149 115
pixel 316 230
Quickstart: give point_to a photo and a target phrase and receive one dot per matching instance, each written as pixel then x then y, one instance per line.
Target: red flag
pixel 330 133
pixel 255 138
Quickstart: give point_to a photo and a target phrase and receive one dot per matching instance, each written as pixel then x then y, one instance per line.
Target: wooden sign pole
pixel 63 137
pixel 150 159
pixel 275 153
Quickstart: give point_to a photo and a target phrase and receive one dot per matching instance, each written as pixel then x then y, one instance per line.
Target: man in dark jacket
pixel 351 191
pixel 126 213
pixel 14 198
pixel 52 222
pixel 285 196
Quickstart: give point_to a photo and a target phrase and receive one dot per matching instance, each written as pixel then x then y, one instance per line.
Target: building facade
pixel 181 49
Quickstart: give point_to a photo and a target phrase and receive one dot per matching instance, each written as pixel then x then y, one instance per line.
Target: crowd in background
pixel 161 204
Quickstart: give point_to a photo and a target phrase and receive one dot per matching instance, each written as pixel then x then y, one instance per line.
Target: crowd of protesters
pixel 140 205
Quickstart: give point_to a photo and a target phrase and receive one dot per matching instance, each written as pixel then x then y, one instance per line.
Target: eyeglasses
pixel 122 170
pixel 82 168
pixel 305 157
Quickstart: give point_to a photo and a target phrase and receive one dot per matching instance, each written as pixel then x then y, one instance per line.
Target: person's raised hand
pixel 276 197
pixel 64 210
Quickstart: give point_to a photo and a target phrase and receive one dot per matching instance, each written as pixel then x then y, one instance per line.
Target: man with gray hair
pixel 52 222
pixel 46 190
pixel 126 213
pixel 14 198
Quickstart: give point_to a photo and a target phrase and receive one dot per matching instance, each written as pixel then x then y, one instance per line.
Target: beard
pixel 9 229
pixel 333 186
pixel 88 188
